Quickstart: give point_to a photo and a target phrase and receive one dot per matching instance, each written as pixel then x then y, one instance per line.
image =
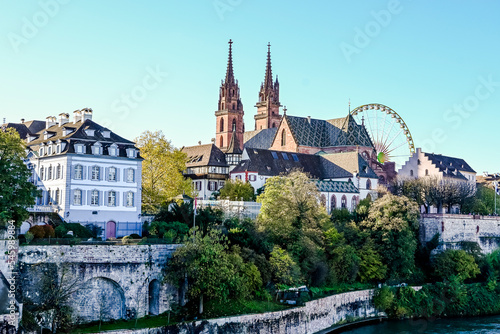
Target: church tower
pixel 268 107
pixel 229 126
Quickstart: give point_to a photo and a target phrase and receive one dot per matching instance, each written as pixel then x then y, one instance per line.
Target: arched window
pixel 411 172
pixel 343 203
pixel 56 197
pixel 274 125
pixel 58 172
pixel 354 202
pixel 221 125
pixel 283 137
pixel 426 172
pixel 234 125
pixel 333 203
pixel 49 173
pixel 41 173
pixel 78 172
pixel 323 200
pixel 221 142
pixel 368 184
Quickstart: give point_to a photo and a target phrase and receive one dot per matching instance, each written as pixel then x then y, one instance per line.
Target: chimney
pixel 22 120
pixel 50 121
pixel 77 116
pixel 309 119
pixel 86 114
pixel 63 118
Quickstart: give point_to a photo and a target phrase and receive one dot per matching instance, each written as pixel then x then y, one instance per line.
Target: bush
pixel 79 231
pixel 135 236
pixel 42 231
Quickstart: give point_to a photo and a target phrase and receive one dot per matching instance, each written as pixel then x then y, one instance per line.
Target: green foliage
pixel 344 264
pixel 172 231
pixel 483 202
pixel 371 267
pixel 237 190
pixel 383 298
pixel 16 192
pixel 455 263
pixel 79 231
pixel 283 267
pixel 162 178
pixel 393 223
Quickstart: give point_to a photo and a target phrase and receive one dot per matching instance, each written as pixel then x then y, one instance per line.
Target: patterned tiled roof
pixel 320 133
pixel 263 139
pixel 336 186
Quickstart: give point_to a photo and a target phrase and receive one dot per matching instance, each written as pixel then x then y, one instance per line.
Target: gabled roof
pixel 352 162
pixel 234 145
pixel 204 155
pixel 447 164
pixel 320 133
pixel 21 128
pixel 336 186
pixel 262 140
pixel 273 163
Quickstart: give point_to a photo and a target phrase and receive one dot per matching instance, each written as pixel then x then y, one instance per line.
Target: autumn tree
pixel 162 169
pixel 16 192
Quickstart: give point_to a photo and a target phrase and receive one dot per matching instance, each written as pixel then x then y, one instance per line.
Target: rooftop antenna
pixel 349 105
pixel 4 120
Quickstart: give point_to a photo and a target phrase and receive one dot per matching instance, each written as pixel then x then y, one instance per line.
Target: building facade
pixel 86 173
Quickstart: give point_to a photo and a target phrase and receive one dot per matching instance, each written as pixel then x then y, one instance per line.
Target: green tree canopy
pixel 16 192
pixel 455 263
pixel 236 190
pixel 162 169
pixel 393 223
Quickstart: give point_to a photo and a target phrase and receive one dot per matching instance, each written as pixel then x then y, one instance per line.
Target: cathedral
pixel 340 142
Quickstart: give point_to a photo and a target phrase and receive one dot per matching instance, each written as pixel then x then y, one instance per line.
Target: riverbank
pixel 352 325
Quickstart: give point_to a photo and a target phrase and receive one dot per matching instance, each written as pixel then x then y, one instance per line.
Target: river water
pixel 481 325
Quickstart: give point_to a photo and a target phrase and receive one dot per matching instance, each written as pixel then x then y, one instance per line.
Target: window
pixel 56 196
pixel 112 198
pixel 354 202
pixel 418 161
pixel 49 173
pixel 221 124
pixel 221 142
pixel 113 150
pixel 77 197
pixel 295 157
pixel 78 172
pixel 97 149
pixel 238 177
pixel 426 172
pixel 285 156
pixel 344 202
pixel 94 197
pixel 283 137
pixel 234 124
pixel 41 173
pixel 368 184
pixel 49 150
pixel 275 155
pixel 79 148
pixel 112 174
pixel 130 175
pixel 212 185
pixel 333 202
pixel 41 151
pixel 58 172
pixel 130 198
pixel 411 172
pixel 95 173
pixel 252 177
pixel 58 148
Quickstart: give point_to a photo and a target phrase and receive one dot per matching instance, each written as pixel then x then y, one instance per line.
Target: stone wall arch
pixel 99 298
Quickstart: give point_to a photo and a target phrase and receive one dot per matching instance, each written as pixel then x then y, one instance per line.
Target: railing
pixel 234 208
pixel 44 208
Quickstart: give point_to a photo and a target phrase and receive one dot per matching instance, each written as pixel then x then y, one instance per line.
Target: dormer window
pixel 31 138
pixel 79 148
pixel 49 150
pixel 67 131
pixel 47 134
pixel 97 149
pixel 41 152
pixel 131 153
pixel 90 132
pixel 106 133
pixel 113 150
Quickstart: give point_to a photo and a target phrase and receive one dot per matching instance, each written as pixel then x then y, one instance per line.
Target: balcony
pixel 44 208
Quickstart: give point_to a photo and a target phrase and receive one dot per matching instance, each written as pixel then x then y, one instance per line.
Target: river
pixel 481 325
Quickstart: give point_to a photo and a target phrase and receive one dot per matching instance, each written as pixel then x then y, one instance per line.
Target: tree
pixel 211 271
pixel 16 192
pixel 236 190
pixel 283 267
pixel 455 263
pixel 162 169
pixel 393 223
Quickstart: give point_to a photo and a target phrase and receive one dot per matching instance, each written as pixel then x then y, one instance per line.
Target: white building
pixel 87 173
pixel 422 164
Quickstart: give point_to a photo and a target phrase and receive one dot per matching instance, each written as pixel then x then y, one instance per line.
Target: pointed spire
pixel 234 145
pixel 229 71
pixel 268 80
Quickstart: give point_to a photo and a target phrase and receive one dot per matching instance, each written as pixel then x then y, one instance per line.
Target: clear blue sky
pixel 435 63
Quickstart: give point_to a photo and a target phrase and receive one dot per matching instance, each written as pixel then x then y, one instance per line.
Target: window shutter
pixel 90 172
pixel 117 198
pixel 117 174
pixel 89 197
pixel 83 197
pixel 137 200
pixel 106 194
pixel 106 175
pixel 101 172
pixel 101 195
pixel 62 172
pixel 124 174
pixel 84 173
pixel 125 198
pixel 72 199
pixel 137 176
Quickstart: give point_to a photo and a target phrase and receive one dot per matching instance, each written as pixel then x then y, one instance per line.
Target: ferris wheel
pixel 388 131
